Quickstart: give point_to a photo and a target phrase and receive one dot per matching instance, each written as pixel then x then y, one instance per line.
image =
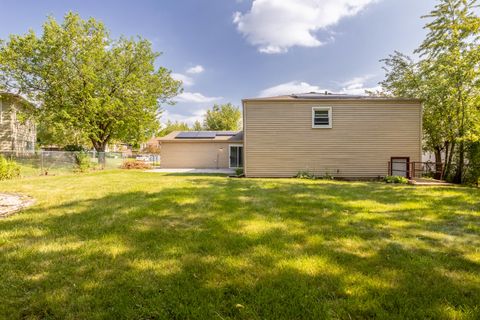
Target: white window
pixel 321 117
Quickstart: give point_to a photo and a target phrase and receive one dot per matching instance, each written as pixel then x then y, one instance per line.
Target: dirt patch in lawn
pixel 11 203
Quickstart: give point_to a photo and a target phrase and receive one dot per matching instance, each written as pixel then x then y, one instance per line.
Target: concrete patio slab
pixel 210 171
pixel 430 182
pixel 12 203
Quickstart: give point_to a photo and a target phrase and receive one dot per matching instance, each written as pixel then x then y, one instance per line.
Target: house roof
pixel 328 96
pixel 9 94
pixel 17 97
pixel 203 136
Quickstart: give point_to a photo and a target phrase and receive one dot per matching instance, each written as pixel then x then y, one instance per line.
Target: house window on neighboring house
pixel 321 117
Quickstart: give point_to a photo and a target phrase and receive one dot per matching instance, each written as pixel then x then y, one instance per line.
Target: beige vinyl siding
pixel 5 127
pixel 14 135
pixel 280 140
pixel 199 155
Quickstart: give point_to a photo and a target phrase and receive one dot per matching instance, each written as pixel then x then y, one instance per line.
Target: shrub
pixel 304 174
pixel 9 169
pixel 239 171
pixel 73 147
pixel 326 176
pixel 396 179
pixel 473 169
pixel 135 164
pixel 429 175
pixel 82 162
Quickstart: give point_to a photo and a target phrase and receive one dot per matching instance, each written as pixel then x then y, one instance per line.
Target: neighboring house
pixel 17 128
pixel 343 136
pixel 202 149
pixel 119 147
pixel 151 146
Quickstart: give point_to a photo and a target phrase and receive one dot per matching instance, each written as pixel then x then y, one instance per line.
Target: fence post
pixel 41 162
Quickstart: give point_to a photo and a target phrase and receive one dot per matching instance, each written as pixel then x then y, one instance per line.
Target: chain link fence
pixel 66 162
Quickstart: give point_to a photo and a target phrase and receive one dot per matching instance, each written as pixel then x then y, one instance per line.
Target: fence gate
pixel 400 166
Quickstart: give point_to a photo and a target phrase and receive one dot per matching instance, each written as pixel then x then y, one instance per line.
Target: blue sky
pixel 226 50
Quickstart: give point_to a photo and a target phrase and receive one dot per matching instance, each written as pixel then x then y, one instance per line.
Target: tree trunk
pixel 448 160
pixel 458 178
pixel 100 147
pixel 447 154
pixel 438 163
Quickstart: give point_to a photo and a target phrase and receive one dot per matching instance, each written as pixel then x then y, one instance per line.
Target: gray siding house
pixel 17 129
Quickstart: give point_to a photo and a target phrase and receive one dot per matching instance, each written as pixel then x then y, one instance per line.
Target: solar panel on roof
pixel 206 135
pixel 226 133
pixel 195 135
pixel 327 95
pixel 186 135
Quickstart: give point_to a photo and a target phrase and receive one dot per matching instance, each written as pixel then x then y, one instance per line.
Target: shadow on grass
pixel 250 249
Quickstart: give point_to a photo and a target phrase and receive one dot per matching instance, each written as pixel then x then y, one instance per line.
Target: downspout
pixel 244 111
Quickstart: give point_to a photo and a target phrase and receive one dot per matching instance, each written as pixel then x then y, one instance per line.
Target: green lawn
pixel 135 245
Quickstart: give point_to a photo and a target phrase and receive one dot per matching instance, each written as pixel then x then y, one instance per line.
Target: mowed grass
pixel 136 245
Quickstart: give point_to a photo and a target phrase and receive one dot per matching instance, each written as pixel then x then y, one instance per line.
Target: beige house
pixel 17 128
pixel 343 136
pixel 202 150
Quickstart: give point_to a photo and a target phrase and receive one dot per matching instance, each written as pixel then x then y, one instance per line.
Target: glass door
pixel 236 156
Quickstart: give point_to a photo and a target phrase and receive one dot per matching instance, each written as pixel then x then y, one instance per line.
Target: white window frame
pixel 230 154
pixel 322 126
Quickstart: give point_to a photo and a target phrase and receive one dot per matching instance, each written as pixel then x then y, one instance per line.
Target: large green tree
pixel 197 126
pixel 446 76
pixel 86 82
pixel 171 126
pixel 407 78
pixel 55 133
pixel 223 117
pixel 453 43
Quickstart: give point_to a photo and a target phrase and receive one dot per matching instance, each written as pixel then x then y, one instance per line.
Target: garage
pixel 202 150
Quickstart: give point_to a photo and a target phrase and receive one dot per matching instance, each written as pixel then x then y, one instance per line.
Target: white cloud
pixel 358 85
pixel 357 81
pixel 195 70
pixel 190 118
pixel 195 97
pixel 290 88
pixel 186 80
pixel 276 25
pixel 355 86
